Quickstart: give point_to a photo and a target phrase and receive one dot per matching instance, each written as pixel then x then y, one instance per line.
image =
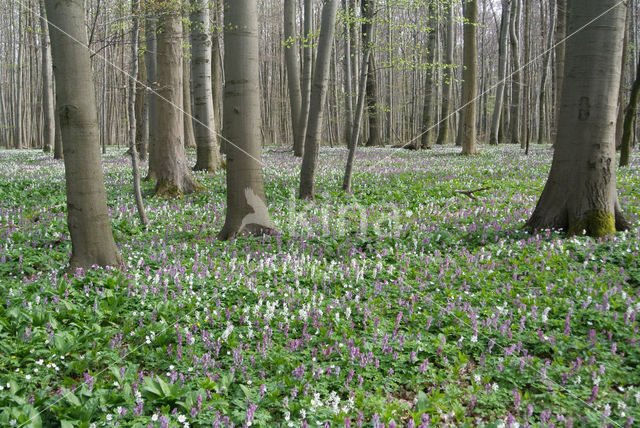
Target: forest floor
pixel 400 304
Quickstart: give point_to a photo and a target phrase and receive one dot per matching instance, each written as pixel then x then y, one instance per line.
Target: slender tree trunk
pixel 246 203
pixel 447 80
pixel 189 133
pixel 373 112
pixel 430 82
pixel 216 67
pixel 18 134
pixel 629 116
pixel 307 54
pixel 470 61
pixel 92 240
pixel 49 125
pixel 142 116
pixel 293 67
pixel 545 70
pixel 355 131
pixel 516 84
pixel 132 114
pixel 319 92
pixel 560 47
pixel 348 88
pixel 502 71
pixel 150 58
pixel 173 177
pixel 621 90
pixel 580 194
pixel 208 152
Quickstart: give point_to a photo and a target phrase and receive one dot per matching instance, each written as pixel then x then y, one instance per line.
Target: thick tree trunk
pixel 470 62
pixel 173 177
pixel 92 240
pixel 189 133
pixel 373 112
pixel 629 116
pixel 293 67
pixel 447 81
pixel 502 71
pixel 307 54
pixel 580 194
pixel 216 66
pixel 49 125
pixel 430 82
pixel 208 152
pixel 246 202
pixel 318 94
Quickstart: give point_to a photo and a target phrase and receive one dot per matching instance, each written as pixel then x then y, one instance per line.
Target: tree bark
pixel 92 240
pixel 49 125
pixel 293 67
pixel 246 202
pixel 447 81
pixel 560 48
pixel 470 62
pixel 133 79
pixel 430 82
pixel 580 194
pixel 318 94
pixel 348 87
pixel 189 133
pixel 516 84
pixel 629 116
pixel 142 114
pixel 151 63
pixel 208 152
pixel 307 54
pixel 173 177
pixel 372 82
pixel 502 71
pixel 545 69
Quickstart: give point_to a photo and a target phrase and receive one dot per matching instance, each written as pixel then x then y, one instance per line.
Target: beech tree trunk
pixel 430 82
pixel 469 73
pixel 629 116
pixel 246 202
pixel 208 152
pixel 545 70
pixel 189 133
pixel 560 48
pixel 348 87
pixel 372 82
pixel 151 63
pixel 293 67
pixel 318 94
pixel 580 194
pixel 142 113
pixel 447 81
pixel 92 240
pixel 502 72
pixel 307 54
pixel 49 125
pixel 516 86
pixel 173 177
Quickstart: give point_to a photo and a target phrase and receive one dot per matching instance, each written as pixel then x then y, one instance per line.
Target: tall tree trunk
pixel 516 84
pixel 216 67
pixel 133 79
pixel 318 94
pixel 348 87
pixel 142 118
pixel 246 202
pixel 173 177
pixel 629 116
pixel 362 85
pixel 92 240
pixel 469 73
pixel 621 90
pixel 373 112
pixel 151 63
pixel 447 80
pixel 560 48
pixel 580 194
pixel 189 133
pixel 429 82
pixel 208 152
pixel 545 72
pixel 293 67
pixel 18 134
pixel 49 125
pixel 307 54
pixel 502 71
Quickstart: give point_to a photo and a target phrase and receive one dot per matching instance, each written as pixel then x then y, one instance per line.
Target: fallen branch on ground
pixel 470 193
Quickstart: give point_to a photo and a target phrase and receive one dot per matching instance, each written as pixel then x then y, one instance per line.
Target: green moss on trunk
pixel 595 223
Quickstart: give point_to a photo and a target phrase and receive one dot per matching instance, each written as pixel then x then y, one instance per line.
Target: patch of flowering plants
pixel 402 304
